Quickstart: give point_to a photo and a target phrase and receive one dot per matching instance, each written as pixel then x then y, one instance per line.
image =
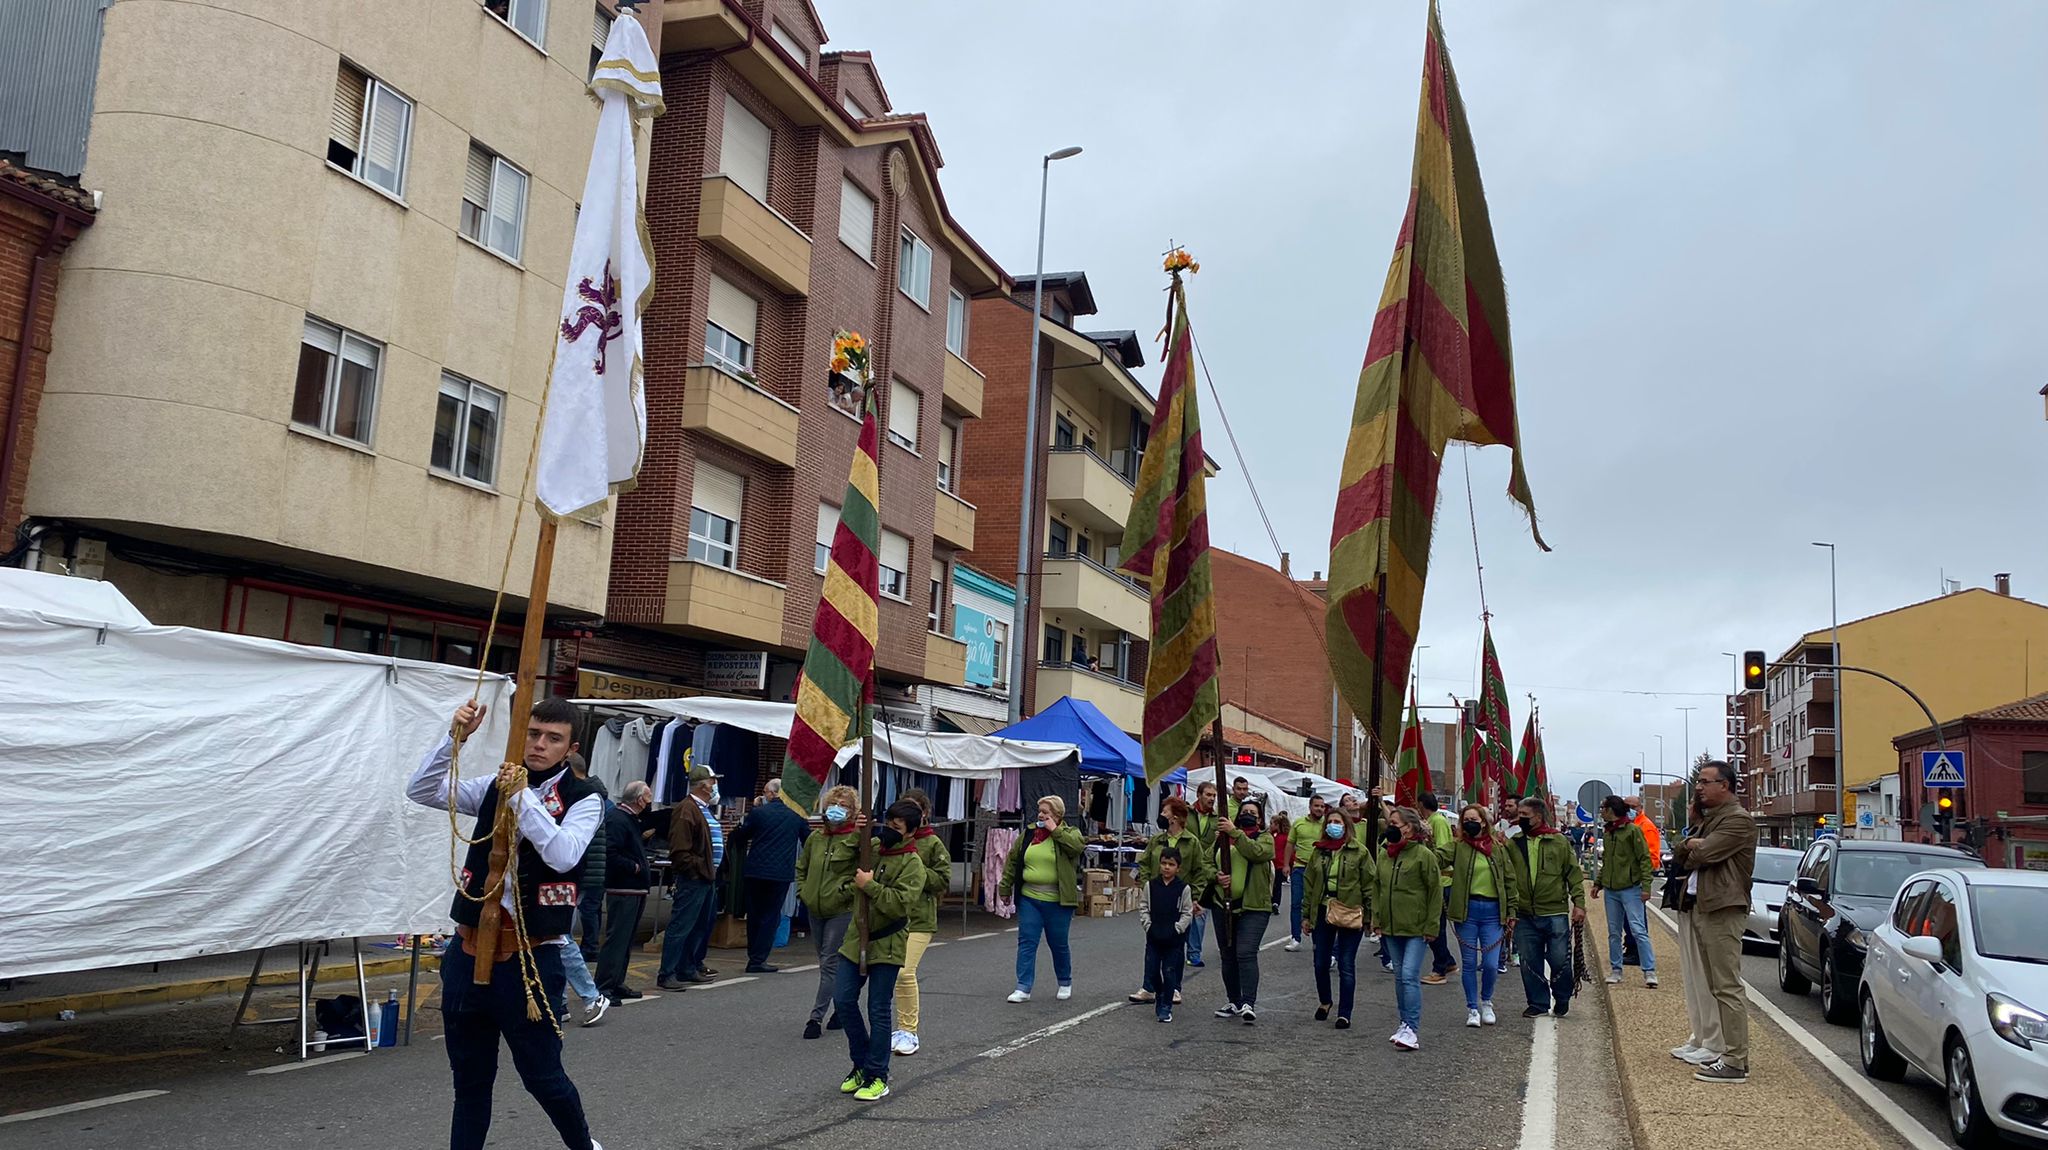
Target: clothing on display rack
pixel 995 852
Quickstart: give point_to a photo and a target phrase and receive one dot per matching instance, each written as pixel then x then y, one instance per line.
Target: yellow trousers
pixel 906 980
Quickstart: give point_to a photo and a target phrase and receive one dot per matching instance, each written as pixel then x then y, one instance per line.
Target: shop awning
pixel 970 724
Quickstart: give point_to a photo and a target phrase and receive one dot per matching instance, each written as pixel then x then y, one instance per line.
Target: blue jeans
pixel 1163 961
pixel 1625 909
pixel 576 977
pixel 1479 941
pixel 1035 917
pixel 475 1017
pixel 1541 939
pixel 1336 943
pixel 868 1038
pixel 1441 948
pixel 1295 882
pixel 689 931
pixel 1408 952
pixel 1197 931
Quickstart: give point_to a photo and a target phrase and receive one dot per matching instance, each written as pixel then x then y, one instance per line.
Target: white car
pixel 1775 869
pixel 1956 983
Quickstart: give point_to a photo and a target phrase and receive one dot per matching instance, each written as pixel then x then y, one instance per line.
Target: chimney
pixel 1317 578
pixel 1283 566
pixel 2003 581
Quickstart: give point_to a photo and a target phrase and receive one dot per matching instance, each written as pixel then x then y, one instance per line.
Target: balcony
pixel 720 602
pixel 735 412
pixel 963 387
pixel 1072 585
pixel 1088 366
pixel 953 520
pixel 1818 742
pixel 1080 483
pixel 945 660
pixel 1123 703
pixel 754 234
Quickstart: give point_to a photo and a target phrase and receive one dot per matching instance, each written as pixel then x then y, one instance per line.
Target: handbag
pixel 1344 916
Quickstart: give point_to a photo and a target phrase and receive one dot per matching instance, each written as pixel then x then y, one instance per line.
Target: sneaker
pixel 1248 1014
pixel 1166 1017
pixel 1701 1057
pixel 1176 998
pixel 1684 1053
pixel 1407 1039
pixel 1019 996
pixel 1292 944
pixel 1434 979
pixel 1472 1017
pixel 1140 996
pixel 1614 978
pixel 813 1030
pixel 1228 1010
pixel 1386 966
pixel 1719 1071
pixel 1196 962
pixel 1536 1012
pixel 853 1081
pixel 1486 1014
pixel 1562 1008
pixel 875 1090
pixel 1650 980
pixel 1064 993
pixel 594 1013
pixel 910 1044
pixel 899 1043
pixel 710 971
pixel 1396 1035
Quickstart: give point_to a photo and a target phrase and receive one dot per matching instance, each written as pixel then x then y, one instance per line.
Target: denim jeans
pixel 1341 945
pixel 1441 948
pixel 575 976
pixel 1241 965
pixel 475 1017
pixel 868 1037
pixel 1197 931
pixel 1296 882
pixel 1164 961
pixel 1546 938
pixel 1036 916
pixel 1479 943
pixel 689 924
pixel 830 934
pixel 1625 911
pixel 1408 952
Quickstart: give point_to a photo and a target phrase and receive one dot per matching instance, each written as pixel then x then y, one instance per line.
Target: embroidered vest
pixel 546 895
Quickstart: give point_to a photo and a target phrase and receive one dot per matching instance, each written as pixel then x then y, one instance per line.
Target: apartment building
pixel 788 199
pixel 298 360
pixel 39 217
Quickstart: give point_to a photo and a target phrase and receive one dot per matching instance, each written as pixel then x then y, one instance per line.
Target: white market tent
pixel 1281 786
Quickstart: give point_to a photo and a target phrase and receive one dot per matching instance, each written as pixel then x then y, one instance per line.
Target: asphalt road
pixel 725 1066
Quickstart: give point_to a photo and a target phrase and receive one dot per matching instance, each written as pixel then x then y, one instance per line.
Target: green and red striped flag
pixel 1532 777
pixel 1498 761
pixel 1471 783
pixel 835 692
pixel 1411 766
pixel 1167 545
pixel 1438 367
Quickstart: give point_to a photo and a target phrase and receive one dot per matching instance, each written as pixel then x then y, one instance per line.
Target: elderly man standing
pixel 1720 855
pixel 696 847
pixel 625 890
pixel 772 833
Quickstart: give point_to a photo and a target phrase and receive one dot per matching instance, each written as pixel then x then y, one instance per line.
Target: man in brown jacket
pixel 1721 856
pixel 695 845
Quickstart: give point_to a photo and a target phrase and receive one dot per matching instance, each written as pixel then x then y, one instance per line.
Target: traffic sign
pixel 1866 820
pixel 1593 793
pixel 1941 769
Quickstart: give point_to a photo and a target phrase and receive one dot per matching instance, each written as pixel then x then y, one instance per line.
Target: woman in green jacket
pixel 892 892
pixel 824 882
pixel 1248 888
pixel 1197 863
pixel 1481 890
pixel 1407 905
pixel 938 870
pixel 1336 885
pixel 1045 868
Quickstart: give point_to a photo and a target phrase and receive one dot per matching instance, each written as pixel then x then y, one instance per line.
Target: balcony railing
pixel 1091 561
pixel 1091 672
pixel 1130 460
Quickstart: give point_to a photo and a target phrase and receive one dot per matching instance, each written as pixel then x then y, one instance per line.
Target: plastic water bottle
pixel 370 1019
pixel 387 1025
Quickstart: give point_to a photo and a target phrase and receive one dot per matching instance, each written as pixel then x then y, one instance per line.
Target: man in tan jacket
pixel 1721 856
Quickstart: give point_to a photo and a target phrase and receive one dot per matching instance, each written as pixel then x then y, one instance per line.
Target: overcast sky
pixel 1777 274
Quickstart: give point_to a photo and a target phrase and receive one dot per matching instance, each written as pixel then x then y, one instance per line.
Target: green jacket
pixel 1257 853
pixel 894 896
pixel 1626 862
pixel 824 873
pixel 1303 836
pixel 1557 883
pixel 1204 826
pixel 1355 875
pixel 1408 896
pixel 1067 845
pixel 1441 836
pixel 1197 861
pixel 1459 858
pixel 938 872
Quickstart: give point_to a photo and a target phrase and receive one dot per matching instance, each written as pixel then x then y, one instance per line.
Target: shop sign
pixel 735 670
pixel 605 685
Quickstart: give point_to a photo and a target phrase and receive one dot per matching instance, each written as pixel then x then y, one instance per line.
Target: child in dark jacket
pixel 1165 915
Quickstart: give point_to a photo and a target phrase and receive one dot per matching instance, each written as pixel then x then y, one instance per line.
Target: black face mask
pixel 1527 824
pixel 1392 834
pixel 1474 830
pixel 888 837
pixel 1246 820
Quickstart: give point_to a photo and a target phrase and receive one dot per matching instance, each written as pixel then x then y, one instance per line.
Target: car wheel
pixel 1966 1117
pixel 1789 979
pixel 1837 1002
pixel 1879 1059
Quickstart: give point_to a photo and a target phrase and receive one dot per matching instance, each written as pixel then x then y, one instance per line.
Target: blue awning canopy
pixel 1105 749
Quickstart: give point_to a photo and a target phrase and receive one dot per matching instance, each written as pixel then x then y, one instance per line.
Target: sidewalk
pixel 1788 1100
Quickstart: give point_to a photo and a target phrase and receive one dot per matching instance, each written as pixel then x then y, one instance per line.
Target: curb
pixel 47 1009
pixel 1638 1135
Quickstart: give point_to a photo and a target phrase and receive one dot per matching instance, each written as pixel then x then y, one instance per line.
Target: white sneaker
pixel 1614 978
pixel 1292 944
pixel 594 1013
pixel 1701 1057
pixel 1064 993
pixel 1140 996
pixel 1227 1010
pixel 1248 1014
pixel 1407 1039
pixel 1650 980
pixel 1019 996
pixel 1176 998
pixel 1486 1014
pixel 1685 1052
pixel 905 1043
pixel 1396 1035
pixel 1472 1017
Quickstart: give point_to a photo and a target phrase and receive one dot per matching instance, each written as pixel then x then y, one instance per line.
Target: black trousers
pixel 764 914
pixel 621 919
pixel 475 1018
pixel 1165 962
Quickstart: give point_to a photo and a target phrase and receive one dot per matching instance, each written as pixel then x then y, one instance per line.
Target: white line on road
pixel 323 1060
pixel 1891 1113
pixel 726 982
pixel 1012 930
pixel 89 1104
pixel 799 969
pixel 1539 1104
pixel 933 945
pixel 1022 1041
pixel 1273 942
pixel 983 934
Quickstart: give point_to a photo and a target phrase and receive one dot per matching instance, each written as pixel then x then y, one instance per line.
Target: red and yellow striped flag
pixel 1167 544
pixel 1438 367
pixel 836 688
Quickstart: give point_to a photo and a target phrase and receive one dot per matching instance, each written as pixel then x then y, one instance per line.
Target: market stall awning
pixel 1281 785
pixel 1105 750
pixel 969 724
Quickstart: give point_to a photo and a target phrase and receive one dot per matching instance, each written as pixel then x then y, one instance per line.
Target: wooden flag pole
pixel 1379 667
pixel 867 837
pixel 490 916
pixel 1226 924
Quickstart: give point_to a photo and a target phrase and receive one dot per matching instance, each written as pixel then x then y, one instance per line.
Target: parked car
pixel 1775 867
pixel 1842 891
pixel 1956 985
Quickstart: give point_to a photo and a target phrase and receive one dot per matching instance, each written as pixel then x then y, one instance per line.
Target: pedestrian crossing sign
pixel 1941 768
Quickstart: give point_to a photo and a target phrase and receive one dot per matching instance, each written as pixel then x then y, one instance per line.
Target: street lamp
pixel 1835 658
pixel 1020 620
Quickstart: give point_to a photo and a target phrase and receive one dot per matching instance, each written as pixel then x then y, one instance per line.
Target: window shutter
pixel 322 336
pixel 895 552
pixel 718 492
pixel 743 150
pixel 347 128
pixel 856 219
pixel 904 412
pixel 828 522
pixel 734 310
pixel 476 179
pixel 938 572
pixel 949 444
pixel 600 27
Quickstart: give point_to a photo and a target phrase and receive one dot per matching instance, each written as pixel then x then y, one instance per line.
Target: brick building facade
pixel 39 218
pixel 2004 799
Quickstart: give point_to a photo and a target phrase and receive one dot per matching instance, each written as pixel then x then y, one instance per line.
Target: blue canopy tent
pixel 1105 749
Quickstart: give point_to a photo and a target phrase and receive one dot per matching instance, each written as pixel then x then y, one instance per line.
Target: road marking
pixel 1539 1104
pixel 983 934
pixel 323 1060
pixel 933 945
pixel 726 982
pixel 799 969
pixel 1273 943
pixel 90 1104
pixel 1917 1135
pixel 1019 1043
pixel 1012 930
pixel 644 997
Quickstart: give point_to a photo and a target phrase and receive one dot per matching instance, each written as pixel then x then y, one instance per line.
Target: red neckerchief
pixel 1483 844
pixel 843 829
pixel 1039 835
pixel 1330 844
pixel 1394 848
pixel 1614 828
pixel 903 848
pixel 923 833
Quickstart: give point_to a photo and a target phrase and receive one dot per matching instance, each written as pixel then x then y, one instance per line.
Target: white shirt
pixel 561 845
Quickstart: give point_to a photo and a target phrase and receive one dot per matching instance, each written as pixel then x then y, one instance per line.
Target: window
pixel 1055 644
pixel 2034 776
pixel 466 423
pixel 600 31
pixel 956 323
pixel 1082 547
pixel 1062 313
pixel 949 451
pixel 856 219
pixel 1078 653
pixel 529 18
pixel 895 560
pixel 828 523
pixel 937 611
pixel 1906 914
pixel 790 44
pixel 729 328
pixel 852 106
pixel 494 203
pixel 914 269
pixel 336 392
pixel 1062 431
pixel 743 149
pixel 906 409
pixel 1057 542
pixel 1000 633
pixel 370 130
pixel 715 501
pixel 1943 925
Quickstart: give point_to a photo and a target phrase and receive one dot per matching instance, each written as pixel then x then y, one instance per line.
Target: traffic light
pixel 1753 666
pixel 1944 818
pixel 1638 773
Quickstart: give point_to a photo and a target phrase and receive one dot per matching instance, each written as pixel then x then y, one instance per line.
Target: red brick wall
pixel 1993 781
pixel 1270 645
pixel 23 230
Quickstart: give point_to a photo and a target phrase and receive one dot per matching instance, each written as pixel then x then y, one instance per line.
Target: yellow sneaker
pixel 875 1090
pixel 853 1081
